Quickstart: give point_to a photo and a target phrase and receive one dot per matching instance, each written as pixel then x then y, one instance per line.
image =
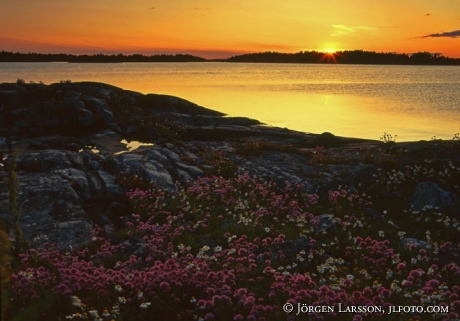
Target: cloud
pixel 343 30
pixel 152 8
pixel 448 34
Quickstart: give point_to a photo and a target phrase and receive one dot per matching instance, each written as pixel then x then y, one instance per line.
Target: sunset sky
pixel 223 28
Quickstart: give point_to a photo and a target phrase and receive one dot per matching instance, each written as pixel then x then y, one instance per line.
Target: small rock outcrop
pixel 430 194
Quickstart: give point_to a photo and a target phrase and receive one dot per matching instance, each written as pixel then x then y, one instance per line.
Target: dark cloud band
pixel 450 34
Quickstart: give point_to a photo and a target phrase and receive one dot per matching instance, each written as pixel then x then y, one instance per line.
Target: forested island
pixel 339 57
pixel 6 56
pixel 348 57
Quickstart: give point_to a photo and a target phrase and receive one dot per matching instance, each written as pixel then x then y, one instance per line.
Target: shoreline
pixel 403 136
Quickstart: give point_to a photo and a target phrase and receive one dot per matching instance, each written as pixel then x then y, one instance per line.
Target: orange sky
pixel 222 28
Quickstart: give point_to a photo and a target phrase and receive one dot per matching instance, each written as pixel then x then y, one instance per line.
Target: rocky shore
pixel 73 162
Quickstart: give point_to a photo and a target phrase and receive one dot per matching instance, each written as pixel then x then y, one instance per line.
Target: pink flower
pixel 209 317
pixel 165 286
pixel 367 291
pixel 242 251
pixel 209 304
pixel 347 282
pixel 406 283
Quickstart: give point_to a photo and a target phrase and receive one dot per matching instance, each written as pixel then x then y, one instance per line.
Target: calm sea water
pixel 413 102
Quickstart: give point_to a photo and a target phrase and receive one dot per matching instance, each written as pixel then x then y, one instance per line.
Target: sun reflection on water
pixel 413 102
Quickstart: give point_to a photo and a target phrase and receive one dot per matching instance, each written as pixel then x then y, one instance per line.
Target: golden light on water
pixel 342 115
pixel 364 101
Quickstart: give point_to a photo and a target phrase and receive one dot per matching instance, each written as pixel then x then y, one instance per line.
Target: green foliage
pixel 225 168
pixel 36 310
pixel 5 276
pixel 220 166
pixel 12 184
pixel 251 146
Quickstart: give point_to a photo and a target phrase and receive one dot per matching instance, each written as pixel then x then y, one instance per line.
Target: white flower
pixel 94 313
pixel 118 288
pixel 419 292
pixel 145 305
pixel 77 302
pixel 115 311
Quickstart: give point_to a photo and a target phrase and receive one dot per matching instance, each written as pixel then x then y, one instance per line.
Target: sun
pixel 329 55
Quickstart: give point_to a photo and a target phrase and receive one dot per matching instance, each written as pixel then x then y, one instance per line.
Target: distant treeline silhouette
pixel 98 58
pixel 348 57
pixel 340 57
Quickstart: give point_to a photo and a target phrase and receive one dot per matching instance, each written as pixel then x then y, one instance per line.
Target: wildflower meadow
pixel 243 248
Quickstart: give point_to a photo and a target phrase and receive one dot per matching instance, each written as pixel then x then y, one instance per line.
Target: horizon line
pixel 185 53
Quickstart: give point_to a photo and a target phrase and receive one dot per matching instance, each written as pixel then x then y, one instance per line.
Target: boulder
pixel 428 193
pixel 78 180
pixel 100 110
pixel 51 210
pixel 329 140
pixel 406 243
